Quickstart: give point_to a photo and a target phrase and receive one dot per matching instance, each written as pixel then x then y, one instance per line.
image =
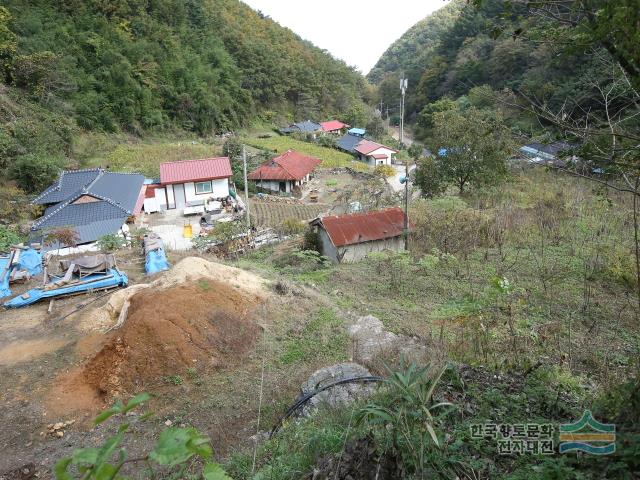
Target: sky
pixel 356 31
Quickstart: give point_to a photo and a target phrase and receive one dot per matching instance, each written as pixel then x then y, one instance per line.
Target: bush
pixel 35 171
pixel 111 242
pixel 291 226
pixel 385 171
pixel 8 236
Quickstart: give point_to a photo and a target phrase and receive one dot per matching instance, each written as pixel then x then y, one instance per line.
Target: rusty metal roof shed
pixel 357 228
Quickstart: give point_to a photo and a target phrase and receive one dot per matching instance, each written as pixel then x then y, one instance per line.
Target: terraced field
pixel 272 214
pixel 331 158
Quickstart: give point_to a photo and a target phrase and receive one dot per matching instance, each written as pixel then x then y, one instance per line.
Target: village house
pixel 92 202
pixel 351 237
pixel 307 127
pixel 334 127
pixel 286 173
pixel 374 153
pixel 189 185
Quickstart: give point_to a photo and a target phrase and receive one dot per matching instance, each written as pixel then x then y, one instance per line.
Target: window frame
pixel 195 187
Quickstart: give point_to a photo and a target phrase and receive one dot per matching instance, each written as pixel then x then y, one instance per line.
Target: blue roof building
pixel 92 202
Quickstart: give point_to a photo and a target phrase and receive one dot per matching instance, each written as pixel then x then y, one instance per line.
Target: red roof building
pixel 195 170
pixel 351 237
pixel 285 172
pixel 333 126
pixel 374 153
pixel 188 183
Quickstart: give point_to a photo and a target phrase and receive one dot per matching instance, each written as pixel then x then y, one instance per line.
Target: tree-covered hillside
pixel 503 45
pixel 134 65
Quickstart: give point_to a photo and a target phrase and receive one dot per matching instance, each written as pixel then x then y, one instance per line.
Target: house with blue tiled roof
pixel 93 202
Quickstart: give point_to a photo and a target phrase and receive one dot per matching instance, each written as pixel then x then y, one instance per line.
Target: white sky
pixel 356 31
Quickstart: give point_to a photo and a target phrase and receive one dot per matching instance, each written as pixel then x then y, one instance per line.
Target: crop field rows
pixel 271 214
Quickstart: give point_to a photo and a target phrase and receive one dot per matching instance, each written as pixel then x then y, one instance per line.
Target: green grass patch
pixel 331 158
pixel 322 337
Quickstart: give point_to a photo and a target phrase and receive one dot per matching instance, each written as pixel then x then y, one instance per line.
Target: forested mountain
pixel 135 65
pixel 466 45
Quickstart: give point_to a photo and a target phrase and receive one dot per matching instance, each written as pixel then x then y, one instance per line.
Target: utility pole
pixel 246 185
pixel 403 89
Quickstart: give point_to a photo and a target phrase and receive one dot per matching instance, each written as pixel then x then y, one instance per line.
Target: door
pixel 283 186
pixel 178 195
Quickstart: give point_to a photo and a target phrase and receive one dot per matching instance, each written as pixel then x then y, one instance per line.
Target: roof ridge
pixel 59 181
pixel 71 199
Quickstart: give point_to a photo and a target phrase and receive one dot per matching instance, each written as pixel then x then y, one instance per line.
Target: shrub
pixel 35 171
pixel 111 242
pixel 63 237
pixel 291 226
pixel 8 236
pixel 385 171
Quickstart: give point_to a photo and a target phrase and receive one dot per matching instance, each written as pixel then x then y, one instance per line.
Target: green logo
pixel 588 435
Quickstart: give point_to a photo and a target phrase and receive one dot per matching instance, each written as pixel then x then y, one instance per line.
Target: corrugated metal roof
pixel 291 165
pixel 195 170
pixel 332 125
pixel 363 227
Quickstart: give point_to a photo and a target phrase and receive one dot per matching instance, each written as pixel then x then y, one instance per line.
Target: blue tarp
pixel 31 261
pixel 96 281
pixel 357 131
pixel 5 291
pixel 156 261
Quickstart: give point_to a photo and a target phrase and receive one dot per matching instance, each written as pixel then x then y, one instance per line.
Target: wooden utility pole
pixel 246 185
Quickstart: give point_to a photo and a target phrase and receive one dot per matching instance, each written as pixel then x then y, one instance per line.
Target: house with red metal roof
pixel 286 173
pixel 189 184
pixel 351 237
pixel 374 153
pixel 335 127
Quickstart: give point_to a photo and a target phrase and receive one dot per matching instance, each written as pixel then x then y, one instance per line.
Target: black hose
pixel 305 398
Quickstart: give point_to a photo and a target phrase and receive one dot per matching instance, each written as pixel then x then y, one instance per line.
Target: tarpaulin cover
pixel 95 281
pixel 5 291
pixel 31 261
pixel 156 261
pixel 92 263
pixel 155 258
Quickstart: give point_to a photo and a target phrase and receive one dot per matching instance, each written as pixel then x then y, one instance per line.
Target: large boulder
pixel 340 395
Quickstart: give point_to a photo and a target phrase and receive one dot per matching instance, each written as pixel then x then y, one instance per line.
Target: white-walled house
pixel 374 153
pixel 189 183
pixel 286 173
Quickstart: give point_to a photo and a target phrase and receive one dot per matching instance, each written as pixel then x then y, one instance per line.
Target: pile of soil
pixel 203 324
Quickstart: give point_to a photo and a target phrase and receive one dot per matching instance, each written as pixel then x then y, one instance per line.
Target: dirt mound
pixel 187 270
pixel 201 324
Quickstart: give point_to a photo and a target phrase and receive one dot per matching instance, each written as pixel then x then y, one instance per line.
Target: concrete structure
pixel 189 183
pixel 349 238
pixel 286 173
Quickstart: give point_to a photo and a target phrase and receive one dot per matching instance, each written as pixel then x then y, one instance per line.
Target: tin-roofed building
pixel 286 173
pixel 349 238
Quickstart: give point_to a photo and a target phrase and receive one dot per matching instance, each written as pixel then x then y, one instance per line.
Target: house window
pixel 203 187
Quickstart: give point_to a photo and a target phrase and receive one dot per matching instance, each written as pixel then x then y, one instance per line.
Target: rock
pixel 168 423
pixel 340 395
pixel 59 434
pixel 370 339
